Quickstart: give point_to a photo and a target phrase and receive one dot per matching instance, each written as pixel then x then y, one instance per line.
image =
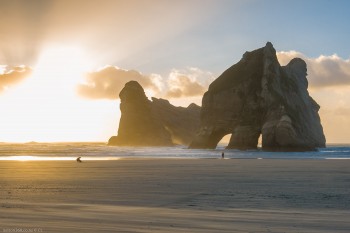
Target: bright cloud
pixel 323 71
pixel 12 75
pixel 107 82
pixel 185 83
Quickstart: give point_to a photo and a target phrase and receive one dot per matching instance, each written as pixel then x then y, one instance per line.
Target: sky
pixel 64 62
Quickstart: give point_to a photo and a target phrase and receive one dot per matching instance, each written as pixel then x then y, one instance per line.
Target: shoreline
pixel 172 195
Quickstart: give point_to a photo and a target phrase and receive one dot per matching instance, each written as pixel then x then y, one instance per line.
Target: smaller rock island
pixel 153 123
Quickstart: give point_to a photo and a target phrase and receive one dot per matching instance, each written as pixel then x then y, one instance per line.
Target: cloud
pixel 323 71
pixel 186 83
pixel 10 76
pixel 107 82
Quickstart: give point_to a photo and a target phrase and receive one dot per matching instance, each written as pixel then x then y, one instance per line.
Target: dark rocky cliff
pixel 153 123
pixel 257 97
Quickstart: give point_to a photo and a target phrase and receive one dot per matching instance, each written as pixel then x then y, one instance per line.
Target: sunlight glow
pixel 46 108
pixel 2 69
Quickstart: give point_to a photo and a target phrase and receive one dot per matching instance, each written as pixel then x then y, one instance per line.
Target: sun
pixel 46 107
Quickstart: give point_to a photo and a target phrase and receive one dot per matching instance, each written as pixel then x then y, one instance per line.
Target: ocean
pixel 100 151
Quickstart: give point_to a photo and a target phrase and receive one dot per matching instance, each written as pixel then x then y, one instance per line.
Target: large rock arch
pixel 258 96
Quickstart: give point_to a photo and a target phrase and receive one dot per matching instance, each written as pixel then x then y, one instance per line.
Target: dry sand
pixel 175 195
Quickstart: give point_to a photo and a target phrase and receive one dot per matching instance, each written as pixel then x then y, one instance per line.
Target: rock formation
pixel 182 123
pixel 153 123
pixel 257 97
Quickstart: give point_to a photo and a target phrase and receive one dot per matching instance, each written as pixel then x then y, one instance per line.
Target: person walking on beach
pixel 222 155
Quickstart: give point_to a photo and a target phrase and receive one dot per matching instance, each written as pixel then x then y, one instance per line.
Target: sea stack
pixel 153 123
pixel 257 96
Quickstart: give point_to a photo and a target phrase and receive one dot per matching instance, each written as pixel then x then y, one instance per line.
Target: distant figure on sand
pixel 222 155
pixel 79 160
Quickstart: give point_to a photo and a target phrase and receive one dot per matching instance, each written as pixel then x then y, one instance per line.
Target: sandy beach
pixel 175 195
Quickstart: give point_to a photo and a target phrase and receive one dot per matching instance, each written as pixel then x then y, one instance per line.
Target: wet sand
pixel 176 195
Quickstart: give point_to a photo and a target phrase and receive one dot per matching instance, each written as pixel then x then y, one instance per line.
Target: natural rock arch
pixel 258 96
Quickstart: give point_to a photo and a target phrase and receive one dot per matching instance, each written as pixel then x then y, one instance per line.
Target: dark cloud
pixel 13 75
pixel 108 82
pixel 323 71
